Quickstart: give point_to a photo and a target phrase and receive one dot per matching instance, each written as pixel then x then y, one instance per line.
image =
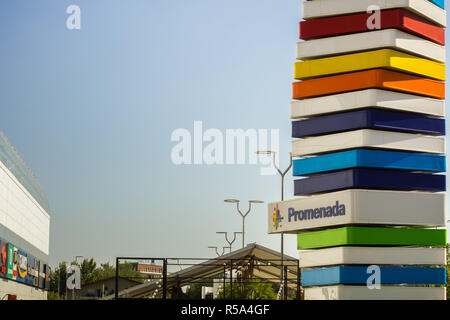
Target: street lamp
pixel 59 280
pixel 243 215
pixel 282 174
pixel 76 258
pixel 226 237
pixel 217 252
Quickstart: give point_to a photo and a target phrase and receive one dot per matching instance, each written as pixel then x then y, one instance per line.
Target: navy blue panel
pixel 369 179
pixel 368 118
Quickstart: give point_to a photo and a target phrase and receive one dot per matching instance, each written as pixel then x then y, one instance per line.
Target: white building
pixel 24 229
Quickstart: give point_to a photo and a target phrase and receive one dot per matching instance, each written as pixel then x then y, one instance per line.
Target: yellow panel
pixel 384 58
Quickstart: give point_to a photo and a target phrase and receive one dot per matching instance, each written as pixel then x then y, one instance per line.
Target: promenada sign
pixel 355 206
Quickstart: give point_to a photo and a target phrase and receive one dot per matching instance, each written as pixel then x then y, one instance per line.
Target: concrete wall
pixel 23 292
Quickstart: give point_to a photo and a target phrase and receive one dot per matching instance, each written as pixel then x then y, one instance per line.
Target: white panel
pixel 21 213
pixel 389 38
pixel 367 98
pixel 368 138
pixel 373 255
pixel 358 207
pixel 385 293
pixel 323 8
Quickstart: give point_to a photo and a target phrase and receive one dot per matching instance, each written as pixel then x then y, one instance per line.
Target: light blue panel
pixel 439 3
pixel 360 275
pixel 370 159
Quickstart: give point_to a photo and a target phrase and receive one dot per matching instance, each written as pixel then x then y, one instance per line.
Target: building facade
pixel 150 270
pixel 100 289
pixel 24 229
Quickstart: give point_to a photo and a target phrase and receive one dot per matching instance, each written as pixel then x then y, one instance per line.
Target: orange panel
pixel 376 78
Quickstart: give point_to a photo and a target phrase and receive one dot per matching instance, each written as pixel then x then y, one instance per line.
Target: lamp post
pixel 243 215
pixel 73 290
pixel 217 252
pixel 59 280
pixel 226 237
pixel 282 174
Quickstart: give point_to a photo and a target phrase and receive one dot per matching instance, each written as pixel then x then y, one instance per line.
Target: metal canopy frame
pixel 265 263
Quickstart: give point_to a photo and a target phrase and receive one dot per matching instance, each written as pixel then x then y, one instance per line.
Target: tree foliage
pixel 58 278
pixel 195 290
pixel 89 273
pixel 251 289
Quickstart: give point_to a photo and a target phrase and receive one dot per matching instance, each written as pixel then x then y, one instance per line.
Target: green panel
pixel 372 236
pixel 10 262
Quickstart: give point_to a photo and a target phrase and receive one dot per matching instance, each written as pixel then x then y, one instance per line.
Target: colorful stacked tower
pixel 369 108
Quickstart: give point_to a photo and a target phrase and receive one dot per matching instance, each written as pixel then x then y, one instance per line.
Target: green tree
pixel 251 289
pixel 107 270
pixel 89 272
pixel 58 279
pixel 127 270
pixel 195 290
pixel 54 296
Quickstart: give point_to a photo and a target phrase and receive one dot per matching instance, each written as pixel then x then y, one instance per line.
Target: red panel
pixel 397 19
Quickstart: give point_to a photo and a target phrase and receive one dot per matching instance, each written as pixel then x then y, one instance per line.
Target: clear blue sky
pixel 92 111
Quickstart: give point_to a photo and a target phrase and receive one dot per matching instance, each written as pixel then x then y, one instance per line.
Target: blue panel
pixel 21 255
pixel 369 179
pixel 439 3
pixel 359 275
pixel 370 159
pixel 368 118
